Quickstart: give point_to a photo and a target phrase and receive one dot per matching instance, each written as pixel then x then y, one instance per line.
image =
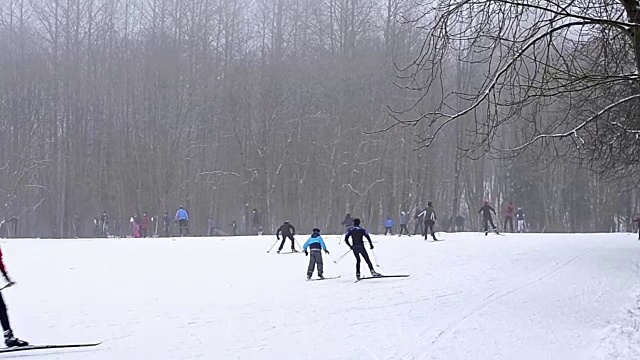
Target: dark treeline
pixel 222 106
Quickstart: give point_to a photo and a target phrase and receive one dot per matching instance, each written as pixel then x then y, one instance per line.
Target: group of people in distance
pixel 315 245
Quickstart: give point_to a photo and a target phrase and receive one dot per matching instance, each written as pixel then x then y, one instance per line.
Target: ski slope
pixel 519 296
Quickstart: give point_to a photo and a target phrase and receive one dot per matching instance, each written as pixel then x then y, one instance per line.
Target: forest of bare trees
pixel 223 106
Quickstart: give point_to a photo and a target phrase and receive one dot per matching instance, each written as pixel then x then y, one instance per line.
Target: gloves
pixel 350 247
pixel 306 253
pixel 326 252
pixel 371 246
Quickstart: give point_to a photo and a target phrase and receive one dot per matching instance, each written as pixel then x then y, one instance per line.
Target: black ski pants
pixel 184 224
pixel 284 239
pixel 143 232
pixel 4 317
pixel 358 251
pixel 488 221
pixel 315 257
pixel 508 220
pixel 428 229
pixel 403 228
pixel 388 230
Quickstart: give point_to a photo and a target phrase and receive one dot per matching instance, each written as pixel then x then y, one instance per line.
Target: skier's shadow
pixel 49 353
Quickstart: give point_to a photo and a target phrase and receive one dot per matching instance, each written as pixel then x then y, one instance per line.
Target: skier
pixel 104 224
pixel 135 226
pixel 429 221
pixel 183 220
pixel 347 223
pixel 166 222
pixel 388 226
pixel 144 225
pixel 419 218
pixel 9 339
pixel 288 231
pixel 508 216
pixel 486 211
pixel 357 234
pixel 315 244
pixel 637 221
pixel 520 218
pixel 404 219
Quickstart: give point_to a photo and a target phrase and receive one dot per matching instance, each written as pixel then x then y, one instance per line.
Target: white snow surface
pixel 518 296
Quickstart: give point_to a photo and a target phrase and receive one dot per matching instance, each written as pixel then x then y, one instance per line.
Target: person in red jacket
pixel 508 216
pixel 9 339
pixel 145 224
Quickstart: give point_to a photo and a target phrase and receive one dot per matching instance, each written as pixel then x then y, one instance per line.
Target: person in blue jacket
pixel 183 220
pixel 388 226
pixel 316 245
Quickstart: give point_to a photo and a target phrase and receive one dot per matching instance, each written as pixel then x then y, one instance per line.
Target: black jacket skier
pixel 429 221
pixel 486 211
pixel 357 234
pixel 9 339
pixel 287 231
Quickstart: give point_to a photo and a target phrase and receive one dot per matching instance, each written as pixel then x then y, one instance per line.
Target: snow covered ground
pixel 519 296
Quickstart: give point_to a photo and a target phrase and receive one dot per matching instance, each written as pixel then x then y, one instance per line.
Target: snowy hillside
pixel 517 296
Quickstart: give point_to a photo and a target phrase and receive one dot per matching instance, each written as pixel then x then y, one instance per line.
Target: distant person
pixel 212 226
pixel 347 223
pixel 166 223
pixel 9 339
pixel 404 221
pixel 75 222
pixel 288 231
pixel 145 224
pixel 508 216
pixel 14 226
pixel 135 226
pixel 521 220
pixel 182 217
pixel 315 244
pixel 388 226
pixel 104 224
pixel 486 211
pixel 459 223
pixel 357 234
pixel 637 221
pixel 429 221
pixel 234 228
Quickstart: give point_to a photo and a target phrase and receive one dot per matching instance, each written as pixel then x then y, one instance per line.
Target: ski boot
pixel 375 274
pixel 321 277
pixel 12 341
pixel 486 233
pixel 294 250
pixel 357 276
pixel 278 252
pixel 308 277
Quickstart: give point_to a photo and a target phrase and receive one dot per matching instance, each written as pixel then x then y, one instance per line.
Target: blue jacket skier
pixel 357 234
pixel 388 226
pixel 315 244
pixel 183 220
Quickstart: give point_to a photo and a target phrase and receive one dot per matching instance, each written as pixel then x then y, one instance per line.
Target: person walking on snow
pixel 315 244
pixel 508 216
pixel 486 211
pixel 388 226
pixel 429 221
pixel 404 220
pixel 357 234
pixel 520 218
pixel 166 222
pixel 144 225
pixel 347 223
pixel 287 231
pixel 419 218
pixel 183 220
pixel 9 339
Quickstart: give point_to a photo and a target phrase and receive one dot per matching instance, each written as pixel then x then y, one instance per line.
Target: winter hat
pixel 356 222
pixel 429 203
pixel 316 230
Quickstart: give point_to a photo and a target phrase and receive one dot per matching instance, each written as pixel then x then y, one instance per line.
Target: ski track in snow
pixel 519 296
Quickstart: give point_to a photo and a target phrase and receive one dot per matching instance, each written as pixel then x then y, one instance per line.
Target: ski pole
pixel 274 244
pixel 342 256
pixel 298 244
pixel 375 259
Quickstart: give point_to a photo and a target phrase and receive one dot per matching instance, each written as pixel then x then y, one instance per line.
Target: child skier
pixel 388 226
pixel 520 218
pixel 9 339
pixel 315 244
pixel 404 220
pixel 357 234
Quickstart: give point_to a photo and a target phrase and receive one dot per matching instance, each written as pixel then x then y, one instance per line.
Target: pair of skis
pixel 45 347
